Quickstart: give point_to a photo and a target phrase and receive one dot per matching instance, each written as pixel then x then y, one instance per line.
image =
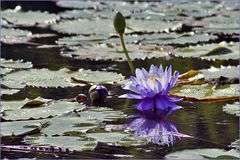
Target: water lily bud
pixel 81 98
pixel 119 23
pixel 98 94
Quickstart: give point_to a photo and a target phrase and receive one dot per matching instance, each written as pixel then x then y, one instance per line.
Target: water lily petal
pixel 139 74
pixel 145 104
pixel 131 96
pixel 160 103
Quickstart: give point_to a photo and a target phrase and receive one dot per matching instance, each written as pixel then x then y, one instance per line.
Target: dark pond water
pixel 206 122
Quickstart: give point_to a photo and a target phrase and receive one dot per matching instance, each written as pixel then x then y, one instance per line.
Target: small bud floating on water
pixel 152 88
pixel 98 94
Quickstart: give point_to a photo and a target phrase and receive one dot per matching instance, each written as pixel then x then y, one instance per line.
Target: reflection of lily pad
pixel 207 92
pixel 10 35
pixel 232 108
pixel 29 18
pixel 203 154
pixel 60 78
pixel 205 50
pixel 112 52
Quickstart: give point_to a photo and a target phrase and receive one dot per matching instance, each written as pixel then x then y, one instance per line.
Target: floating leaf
pixel 203 154
pixel 60 78
pixel 29 18
pixel 5 91
pixel 75 128
pixel 81 40
pixel 18 127
pixel 207 92
pixel 150 26
pixel 12 36
pixel 84 26
pixel 230 72
pixel 18 64
pixel 173 38
pixel 115 53
pixel 52 109
pixel 203 51
pixel 79 4
pixel 232 108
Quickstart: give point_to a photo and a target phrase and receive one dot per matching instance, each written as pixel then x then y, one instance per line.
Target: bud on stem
pixel 119 25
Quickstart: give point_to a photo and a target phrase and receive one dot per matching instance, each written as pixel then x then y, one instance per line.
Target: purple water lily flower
pixel 152 88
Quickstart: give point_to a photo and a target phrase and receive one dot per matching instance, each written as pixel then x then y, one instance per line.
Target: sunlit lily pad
pixel 15 112
pixel 232 108
pixel 9 91
pixel 213 73
pixel 115 53
pixel 207 92
pixel 18 64
pixel 203 154
pixel 81 40
pixel 18 127
pixel 79 4
pixel 29 18
pixel 227 51
pixel 60 78
pixel 84 26
pixel 150 26
pixel 12 36
pixel 75 126
pixel 173 38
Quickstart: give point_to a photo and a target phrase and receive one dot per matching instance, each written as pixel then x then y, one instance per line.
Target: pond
pixel 54 52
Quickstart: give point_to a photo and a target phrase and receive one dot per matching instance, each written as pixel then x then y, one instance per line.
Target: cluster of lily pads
pixel 84 31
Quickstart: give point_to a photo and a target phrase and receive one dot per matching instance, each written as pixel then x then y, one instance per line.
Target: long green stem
pixel 126 54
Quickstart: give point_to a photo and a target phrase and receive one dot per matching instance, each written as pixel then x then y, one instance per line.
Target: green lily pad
pixel 203 154
pixel 211 51
pixel 14 111
pixel 61 78
pixel 236 144
pixel 75 127
pixel 84 26
pixel 6 70
pixel 173 38
pixel 18 127
pixel 207 91
pixel 9 91
pixel 232 108
pixel 13 36
pixel 79 4
pixel 213 73
pixel 115 53
pixel 150 26
pixel 81 40
pixel 30 18
pixel 18 64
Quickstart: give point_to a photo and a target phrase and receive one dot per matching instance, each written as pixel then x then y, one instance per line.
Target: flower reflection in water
pixel 151 126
